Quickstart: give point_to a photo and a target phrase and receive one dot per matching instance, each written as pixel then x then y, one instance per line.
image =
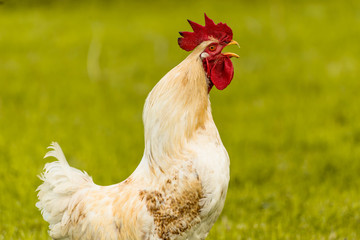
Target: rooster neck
pixel 176 108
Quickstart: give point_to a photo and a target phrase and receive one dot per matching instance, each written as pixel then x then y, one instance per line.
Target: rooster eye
pixel 212 48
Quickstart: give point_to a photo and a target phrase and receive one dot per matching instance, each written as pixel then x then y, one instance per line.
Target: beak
pixel 229 54
pixel 233 42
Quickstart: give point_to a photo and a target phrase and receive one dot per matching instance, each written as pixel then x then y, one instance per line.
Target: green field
pixel 79 73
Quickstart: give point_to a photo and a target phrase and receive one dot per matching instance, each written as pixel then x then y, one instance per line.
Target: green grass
pixel 290 119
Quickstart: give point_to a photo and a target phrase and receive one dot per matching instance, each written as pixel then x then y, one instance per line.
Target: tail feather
pixel 57 153
pixel 60 183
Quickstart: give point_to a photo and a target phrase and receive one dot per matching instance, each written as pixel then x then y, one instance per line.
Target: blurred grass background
pixel 79 72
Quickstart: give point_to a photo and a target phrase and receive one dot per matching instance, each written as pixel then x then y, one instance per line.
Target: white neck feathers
pixel 176 107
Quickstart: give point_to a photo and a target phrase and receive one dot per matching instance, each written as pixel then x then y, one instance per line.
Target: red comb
pixel 191 40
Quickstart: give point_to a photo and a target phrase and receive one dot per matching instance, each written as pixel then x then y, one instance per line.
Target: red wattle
pixel 222 72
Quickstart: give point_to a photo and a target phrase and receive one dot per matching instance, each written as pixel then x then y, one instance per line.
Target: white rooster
pixel 179 188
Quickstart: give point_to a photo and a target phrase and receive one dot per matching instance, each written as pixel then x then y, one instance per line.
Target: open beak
pixel 230 54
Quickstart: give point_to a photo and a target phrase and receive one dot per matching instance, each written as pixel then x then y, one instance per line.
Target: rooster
pixel 178 190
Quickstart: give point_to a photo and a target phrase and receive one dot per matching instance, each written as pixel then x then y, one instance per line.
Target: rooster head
pixel 217 65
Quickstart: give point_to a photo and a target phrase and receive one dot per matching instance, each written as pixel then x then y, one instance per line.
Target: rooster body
pixel 177 191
